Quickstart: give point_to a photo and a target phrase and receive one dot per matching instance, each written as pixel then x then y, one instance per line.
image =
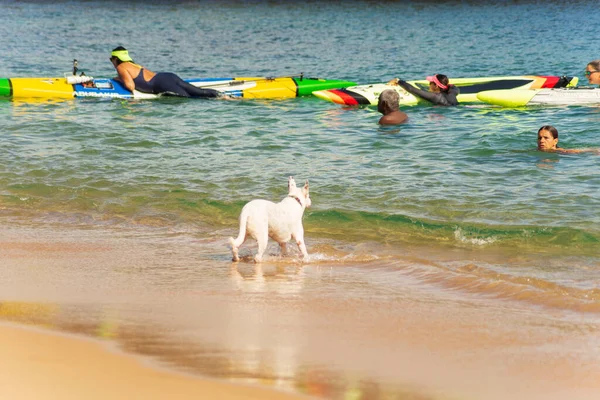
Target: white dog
pixel 263 219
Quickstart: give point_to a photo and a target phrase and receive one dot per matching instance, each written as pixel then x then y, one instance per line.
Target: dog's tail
pixel 237 242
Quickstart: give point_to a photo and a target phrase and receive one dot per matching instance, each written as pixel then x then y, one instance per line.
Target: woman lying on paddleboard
pixel 136 77
pixel 440 91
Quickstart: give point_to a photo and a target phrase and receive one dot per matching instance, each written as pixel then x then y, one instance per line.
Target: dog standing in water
pixel 263 219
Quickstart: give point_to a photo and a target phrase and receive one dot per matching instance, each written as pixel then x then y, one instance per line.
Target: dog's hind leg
pixel 262 241
pixel 234 249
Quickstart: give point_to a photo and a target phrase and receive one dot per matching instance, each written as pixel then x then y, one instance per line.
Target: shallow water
pixel 454 206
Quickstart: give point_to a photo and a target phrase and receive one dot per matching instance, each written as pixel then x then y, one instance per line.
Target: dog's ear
pixel 291 184
pixel 306 187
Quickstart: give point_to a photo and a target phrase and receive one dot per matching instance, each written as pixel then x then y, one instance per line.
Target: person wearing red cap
pixel 440 91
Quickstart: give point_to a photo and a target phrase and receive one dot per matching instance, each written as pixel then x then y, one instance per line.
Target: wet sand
pixel 327 330
pixel 41 365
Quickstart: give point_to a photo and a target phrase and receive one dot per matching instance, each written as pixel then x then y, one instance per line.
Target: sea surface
pixel 455 205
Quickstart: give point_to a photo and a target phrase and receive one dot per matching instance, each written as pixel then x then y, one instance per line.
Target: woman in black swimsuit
pixel 136 77
pixel 440 91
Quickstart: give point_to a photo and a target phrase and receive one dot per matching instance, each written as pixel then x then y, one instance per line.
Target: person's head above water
pixel 547 138
pixel 120 54
pixel 438 83
pixel 389 100
pixel 592 72
pixel 389 106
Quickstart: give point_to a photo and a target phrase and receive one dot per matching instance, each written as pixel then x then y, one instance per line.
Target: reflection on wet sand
pixel 357 323
pixel 277 368
pixel 278 278
pixel 43 315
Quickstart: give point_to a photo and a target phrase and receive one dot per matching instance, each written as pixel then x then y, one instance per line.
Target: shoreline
pixel 290 330
pixel 43 364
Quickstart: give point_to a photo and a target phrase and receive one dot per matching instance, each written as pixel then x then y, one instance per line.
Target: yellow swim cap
pixel 122 55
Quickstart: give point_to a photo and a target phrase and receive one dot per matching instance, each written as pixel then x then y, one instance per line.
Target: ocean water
pixel 456 204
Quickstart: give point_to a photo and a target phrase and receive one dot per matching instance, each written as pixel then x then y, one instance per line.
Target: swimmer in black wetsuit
pixel 136 77
pixel 440 91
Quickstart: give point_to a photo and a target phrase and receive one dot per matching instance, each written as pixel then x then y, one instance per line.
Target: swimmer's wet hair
pixel 550 129
pixel 390 97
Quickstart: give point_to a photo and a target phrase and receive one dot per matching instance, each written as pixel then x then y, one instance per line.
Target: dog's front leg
pixel 299 238
pixel 300 242
pixel 283 246
pixel 302 248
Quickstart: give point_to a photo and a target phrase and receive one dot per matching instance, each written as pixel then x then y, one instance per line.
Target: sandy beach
pixel 40 364
pixel 250 325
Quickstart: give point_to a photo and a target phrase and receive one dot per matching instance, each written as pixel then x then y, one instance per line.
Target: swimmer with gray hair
pixel 389 106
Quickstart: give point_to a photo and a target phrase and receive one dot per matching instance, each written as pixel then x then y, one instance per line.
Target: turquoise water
pixel 453 185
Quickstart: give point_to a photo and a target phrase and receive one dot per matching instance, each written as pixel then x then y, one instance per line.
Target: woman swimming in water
pixel 547 140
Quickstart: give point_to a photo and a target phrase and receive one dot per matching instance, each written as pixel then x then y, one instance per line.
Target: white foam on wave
pixel 461 237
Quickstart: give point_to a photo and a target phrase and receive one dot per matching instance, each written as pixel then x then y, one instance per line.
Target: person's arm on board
pixel 125 77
